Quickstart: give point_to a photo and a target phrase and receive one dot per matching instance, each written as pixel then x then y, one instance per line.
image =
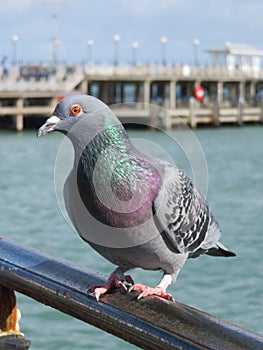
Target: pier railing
pixel 41 78
pixel 180 71
pixel 66 78
pixel 150 323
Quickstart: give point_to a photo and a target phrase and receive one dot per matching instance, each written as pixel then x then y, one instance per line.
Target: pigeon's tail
pixel 220 250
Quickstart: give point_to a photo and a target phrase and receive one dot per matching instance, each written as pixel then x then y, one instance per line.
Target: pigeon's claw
pixel 97 291
pixel 113 281
pixel 147 291
pixel 124 284
pixel 127 283
pixel 96 294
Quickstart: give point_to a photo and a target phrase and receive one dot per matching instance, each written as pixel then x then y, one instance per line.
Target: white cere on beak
pixel 49 125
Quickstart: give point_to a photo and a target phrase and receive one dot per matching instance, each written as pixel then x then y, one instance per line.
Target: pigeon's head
pixel 72 110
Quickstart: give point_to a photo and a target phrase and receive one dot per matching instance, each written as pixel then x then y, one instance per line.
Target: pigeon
pixel 134 210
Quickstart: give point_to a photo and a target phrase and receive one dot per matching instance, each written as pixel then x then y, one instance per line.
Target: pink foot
pixel 113 281
pixel 147 291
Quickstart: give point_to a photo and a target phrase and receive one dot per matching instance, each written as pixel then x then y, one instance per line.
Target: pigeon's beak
pixel 49 125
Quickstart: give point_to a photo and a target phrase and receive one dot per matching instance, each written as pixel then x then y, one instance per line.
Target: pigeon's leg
pixel 166 280
pixel 116 279
pixel 159 290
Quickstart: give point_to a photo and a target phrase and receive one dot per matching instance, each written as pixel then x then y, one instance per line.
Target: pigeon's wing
pixel 183 216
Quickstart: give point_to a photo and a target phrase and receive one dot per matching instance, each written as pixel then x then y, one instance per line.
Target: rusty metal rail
pixel 150 323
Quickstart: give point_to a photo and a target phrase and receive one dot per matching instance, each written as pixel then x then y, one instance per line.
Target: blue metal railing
pixel 150 323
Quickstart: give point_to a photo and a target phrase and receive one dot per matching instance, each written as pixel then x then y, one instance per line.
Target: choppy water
pixel 231 289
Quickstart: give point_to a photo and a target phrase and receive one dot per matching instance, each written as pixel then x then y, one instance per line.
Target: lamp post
pixel 196 43
pixel 116 39
pixel 14 39
pixel 163 41
pixel 55 43
pixel 90 43
pixel 135 46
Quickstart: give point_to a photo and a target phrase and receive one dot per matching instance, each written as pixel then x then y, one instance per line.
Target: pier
pixel 232 96
pixel 150 323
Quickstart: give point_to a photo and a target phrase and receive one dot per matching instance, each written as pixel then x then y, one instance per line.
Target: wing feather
pixel 183 214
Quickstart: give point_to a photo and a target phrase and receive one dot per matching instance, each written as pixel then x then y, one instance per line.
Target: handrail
pixel 150 323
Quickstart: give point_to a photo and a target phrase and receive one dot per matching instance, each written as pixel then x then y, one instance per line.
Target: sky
pixel 74 22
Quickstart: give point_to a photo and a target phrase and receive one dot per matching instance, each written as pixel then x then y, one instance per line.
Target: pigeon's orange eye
pixel 75 110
